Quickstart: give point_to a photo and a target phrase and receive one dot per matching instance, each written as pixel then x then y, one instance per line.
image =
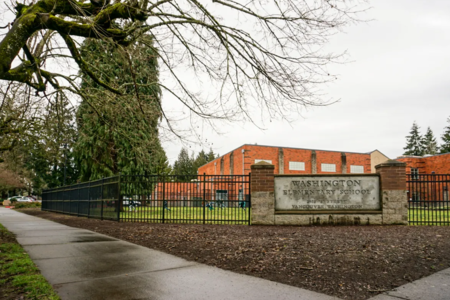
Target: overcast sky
pixel 399 73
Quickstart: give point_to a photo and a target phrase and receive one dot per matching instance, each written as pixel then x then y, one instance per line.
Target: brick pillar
pixel 232 163
pixel 393 192
pixel 343 163
pixel 313 162
pixel 280 161
pixel 263 196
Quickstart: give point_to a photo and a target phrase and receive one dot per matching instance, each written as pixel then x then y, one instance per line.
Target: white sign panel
pixel 340 193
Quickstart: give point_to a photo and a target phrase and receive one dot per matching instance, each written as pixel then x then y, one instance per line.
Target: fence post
pixel 101 197
pixel 249 197
pixel 78 201
pixel 163 199
pixel 118 197
pixel 89 200
pixel 204 198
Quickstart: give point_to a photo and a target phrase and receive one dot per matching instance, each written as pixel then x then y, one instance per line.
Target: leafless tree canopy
pixel 255 54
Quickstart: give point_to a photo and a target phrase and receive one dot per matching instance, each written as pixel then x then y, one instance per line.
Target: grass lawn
pixel 429 216
pixel 188 215
pixel 19 276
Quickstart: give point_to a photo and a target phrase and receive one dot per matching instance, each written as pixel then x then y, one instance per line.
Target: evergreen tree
pixel 203 158
pixel 49 152
pixel 429 142
pixel 184 165
pixel 119 133
pixel 445 146
pixel 211 155
pixel 200 160
pixel 414 142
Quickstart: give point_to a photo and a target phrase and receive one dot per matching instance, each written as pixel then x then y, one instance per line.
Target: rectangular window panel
pixel 357 169
pixel 296 166
pixel 266 160
pixel 328 168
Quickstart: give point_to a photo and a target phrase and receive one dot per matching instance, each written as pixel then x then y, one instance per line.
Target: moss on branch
pixel 49 14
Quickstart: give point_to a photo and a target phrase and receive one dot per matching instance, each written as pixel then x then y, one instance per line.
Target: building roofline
pixel 304 149
pixel 417 157
pixel 287 148
pixel 378 151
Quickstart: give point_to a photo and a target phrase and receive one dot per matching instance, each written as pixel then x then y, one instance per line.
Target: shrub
pixel 27 204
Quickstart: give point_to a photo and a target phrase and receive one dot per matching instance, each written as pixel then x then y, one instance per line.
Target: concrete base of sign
pixel 328 219
pixel 395 207
pixel 263 206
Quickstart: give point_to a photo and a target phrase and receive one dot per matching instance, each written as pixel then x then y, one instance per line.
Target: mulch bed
pixel 349 262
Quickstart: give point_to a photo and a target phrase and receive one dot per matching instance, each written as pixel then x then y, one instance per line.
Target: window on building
pixel 357 169
pixel 414 173
pixel 222 198
pixel 328 168
pixel 266 160
pixel 296 166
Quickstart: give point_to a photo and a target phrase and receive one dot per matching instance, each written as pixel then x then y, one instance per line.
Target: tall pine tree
pixel 119 133
pixel 414 142
pixel 184 165
pixel 429 142
pixel 445 146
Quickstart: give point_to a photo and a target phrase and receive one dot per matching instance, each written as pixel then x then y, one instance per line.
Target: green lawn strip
pixel 187 214
pixel 19 272
pixel 420 216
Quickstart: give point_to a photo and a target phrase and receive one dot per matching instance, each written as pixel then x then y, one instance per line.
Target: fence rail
pixel 204 199
pixel 428 199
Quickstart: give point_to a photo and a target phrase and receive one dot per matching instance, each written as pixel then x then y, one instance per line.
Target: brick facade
pixel 439 164
pixel 238 161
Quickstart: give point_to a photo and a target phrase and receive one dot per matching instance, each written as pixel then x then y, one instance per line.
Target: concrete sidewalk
pixel 434 287
pixel 82 264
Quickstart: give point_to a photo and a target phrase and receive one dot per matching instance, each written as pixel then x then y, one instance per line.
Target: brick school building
pixel 439 163
pixel 289 160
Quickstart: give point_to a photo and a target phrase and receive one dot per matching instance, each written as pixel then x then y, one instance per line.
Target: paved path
pixel 434 287
pixel 82 264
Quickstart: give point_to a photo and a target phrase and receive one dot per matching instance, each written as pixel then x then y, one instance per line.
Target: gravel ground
pixel 349 262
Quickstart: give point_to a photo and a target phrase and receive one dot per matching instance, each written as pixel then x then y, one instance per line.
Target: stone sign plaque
pixel 327 193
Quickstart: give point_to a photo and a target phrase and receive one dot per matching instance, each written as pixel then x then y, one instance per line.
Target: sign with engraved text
pixel 327 193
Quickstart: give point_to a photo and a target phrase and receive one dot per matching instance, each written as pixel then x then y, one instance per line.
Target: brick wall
pixel 358 160
pixel 297 155
pixel 262 178
pixel 285 155
pixel 393 177
pixel 439 164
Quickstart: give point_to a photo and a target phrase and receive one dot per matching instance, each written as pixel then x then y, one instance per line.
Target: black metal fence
pixel 204 199
pixel 428 199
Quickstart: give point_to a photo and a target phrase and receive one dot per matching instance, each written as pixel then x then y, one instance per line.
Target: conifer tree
pixel 211 155
pixel 445 146
pixel 119 133
pixel 414 142
pixel 203 158
pixel 200 160
pixel 184 165
pixel 429 142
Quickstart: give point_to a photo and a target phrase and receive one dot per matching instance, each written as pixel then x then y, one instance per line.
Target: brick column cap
pixel 262 165
pixel 391 163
